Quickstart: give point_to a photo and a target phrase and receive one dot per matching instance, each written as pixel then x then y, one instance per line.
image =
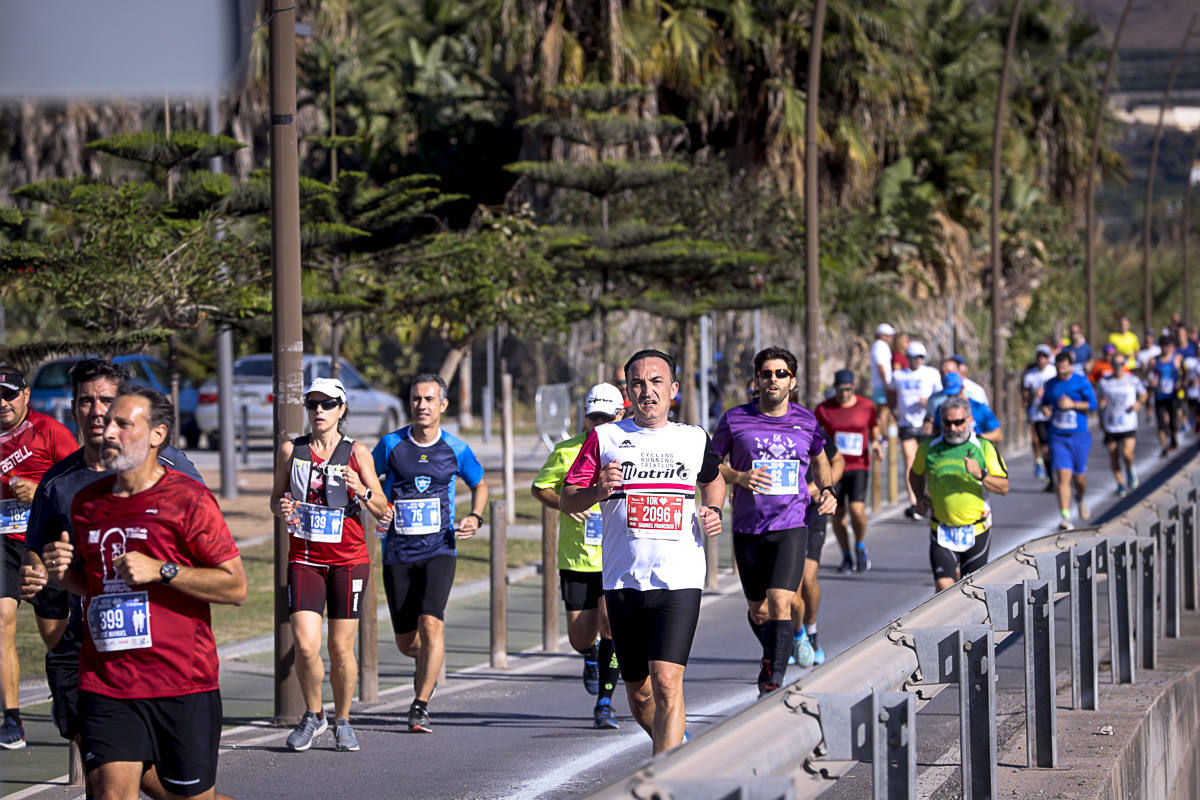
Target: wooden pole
pixel 368 621
pixel 499 588
pixel 549 585
pixel 1187 232
pixel 75 766
pixel 510 489
pixel 812 234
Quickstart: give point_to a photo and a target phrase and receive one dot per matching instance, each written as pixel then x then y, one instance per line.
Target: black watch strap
pixel 717 511
pixel 476 516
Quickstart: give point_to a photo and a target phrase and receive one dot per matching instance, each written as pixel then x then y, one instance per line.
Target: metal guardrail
pixel 860 705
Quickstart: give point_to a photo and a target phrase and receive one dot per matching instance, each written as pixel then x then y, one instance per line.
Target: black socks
pixel 607 659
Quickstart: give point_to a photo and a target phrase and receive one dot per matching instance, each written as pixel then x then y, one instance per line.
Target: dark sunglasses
pixel 766 374
pixel 328 404
pixel 954 423
pixel 9 394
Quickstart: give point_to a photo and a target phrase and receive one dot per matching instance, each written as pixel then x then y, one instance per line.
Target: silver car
pixel 372 412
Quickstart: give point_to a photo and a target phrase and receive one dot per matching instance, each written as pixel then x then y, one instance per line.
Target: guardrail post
pixel 1084 679
pixel 1147 629
pixel 1120 588
pixel 1170 590
pixel 966 656
pixel 877 727
pixel 1188 526
pixel 498 558
pixel 1041 721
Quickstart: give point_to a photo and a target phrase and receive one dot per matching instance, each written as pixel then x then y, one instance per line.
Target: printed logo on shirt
pixel 626 443
pixel 777 445
pixel 422 482
pixel 654 465
pixel 136 533
pixel 424 457
pixel 112 544
pixel 93 537
pixel 14 458
pixel 151 510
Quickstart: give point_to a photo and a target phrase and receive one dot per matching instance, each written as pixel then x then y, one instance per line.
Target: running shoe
pixel 1049 487
pixel 591 672
pixel 766 681
pixel 310 727
pixel 802 652
pixel 418 720
pixel 911 513
pixel 603 716
pixel 1085 511
pixel 1065 525
pixel 1122 491
pixel 343 736
pixel 12 735
pixel 1039 470
pixel 862 561
pixel 818 657
pixel 1131 477
pixel 847 564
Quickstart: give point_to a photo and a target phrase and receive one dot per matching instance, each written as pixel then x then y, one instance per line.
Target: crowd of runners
pixel 121 549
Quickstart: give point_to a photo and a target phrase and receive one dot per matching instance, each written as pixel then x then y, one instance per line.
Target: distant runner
pixel 1121 394
pixel 1067 398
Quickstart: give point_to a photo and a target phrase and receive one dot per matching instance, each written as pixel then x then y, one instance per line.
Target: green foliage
pixel 598 179
pixel 28 356
pixel 602 130
pixel 599 97
pixel 157 149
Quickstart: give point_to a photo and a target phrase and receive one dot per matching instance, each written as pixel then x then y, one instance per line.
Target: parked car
pixel 50 390
pixel 372 412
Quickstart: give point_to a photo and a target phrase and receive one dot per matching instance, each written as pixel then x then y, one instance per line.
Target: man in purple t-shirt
pixel 769 444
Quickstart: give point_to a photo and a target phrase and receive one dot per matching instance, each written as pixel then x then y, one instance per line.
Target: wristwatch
pixel 366 496
pixel 476 516
pixel 168 571
pixel 825 489
pixel 717 510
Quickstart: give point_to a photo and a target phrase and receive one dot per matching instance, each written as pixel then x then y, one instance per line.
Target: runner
pixel 1124 339
pixel 849 421
pixel 900 352
pixel 1191 389
pixel 579 565
pixel 1103 365
pixel 149 553
pixel 972 389
pixel 807 600
pixel 769 445
pixel 1166 376
pixel 913 387
pixel 419 464
pixel 94 385
pixel 1039 421
pixel 1068 397
pixel 881 372
pixel 1120 395
pixel 29 444
pixel 952 472
pixel 322 480
pixel 1080 350
pixel 644 472
pixel 985 425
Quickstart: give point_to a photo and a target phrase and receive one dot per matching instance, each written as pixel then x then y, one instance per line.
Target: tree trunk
pixel 465 417
pixel 335 324
pixel 689 402
pixel 451 361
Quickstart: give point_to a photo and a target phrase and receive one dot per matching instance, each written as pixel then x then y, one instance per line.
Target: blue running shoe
pixel 802 652
pixel 862 561
pixel 591 671
pixel 818 657
pixel 603 716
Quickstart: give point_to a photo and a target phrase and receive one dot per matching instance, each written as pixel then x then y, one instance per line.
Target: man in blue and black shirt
pixel 419 465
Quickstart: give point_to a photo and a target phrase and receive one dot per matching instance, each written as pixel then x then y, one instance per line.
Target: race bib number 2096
pixel 654 516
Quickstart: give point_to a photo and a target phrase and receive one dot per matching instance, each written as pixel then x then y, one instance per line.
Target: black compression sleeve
pixel 709 467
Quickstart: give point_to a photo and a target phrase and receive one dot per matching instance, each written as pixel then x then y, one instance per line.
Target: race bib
pixel 119 621
pixel 419 517
pixel 320 523
pixel 654 516
pixel 14 516
pixel 785 474
pixel 593 529
pixel 1166 385
pixel 1064 419
pixel 959 539
pixel 849 444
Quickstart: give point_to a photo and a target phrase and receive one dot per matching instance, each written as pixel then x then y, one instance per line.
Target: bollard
pixel 1120 604
pixel 893 454
pixel 499 588
pixel 549 585
pixel 1084 677
pixel 1188 551
pixel 1147 628
pixel 711 577
pixel 368 621
pixel 876 488
pixel 877 727
pixel 1170 579
pixel 75 765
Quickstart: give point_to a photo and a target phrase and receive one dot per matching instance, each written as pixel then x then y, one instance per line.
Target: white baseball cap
pixel 604 398
pixel 916 349
pixel 330 387
pixel 885 330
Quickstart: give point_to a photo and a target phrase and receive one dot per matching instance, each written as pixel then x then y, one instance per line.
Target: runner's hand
pixel 1066 403
pixel 137 568
pixel 828 504
pixel 23 489
pixel 57 557
pixel 710 521
pixel 922 506
pixel 973 468
pixel 33 580
pixel 354 483
pixel 609 478
pixel 580 516
pixel 467 527
pixel 756 480
pixel 287 506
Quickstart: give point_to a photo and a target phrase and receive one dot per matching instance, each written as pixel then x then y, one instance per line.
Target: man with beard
pixel 149 552
pixel 949 476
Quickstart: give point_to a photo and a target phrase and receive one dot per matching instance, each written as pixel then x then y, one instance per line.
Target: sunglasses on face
pixel 9 395
pixel 954 423
pixel 328 404
pixel 766 374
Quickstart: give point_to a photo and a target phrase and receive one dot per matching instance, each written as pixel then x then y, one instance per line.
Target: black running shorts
pixel 769 560
pixel 341 586
pixel 62 676
pixel 1042 429
pixel 910 432
pixel 816 539
pixel 947 563
pixel 580 590
pixel 654 625
pixel 179 735
pixel 853 486
pixel 1120 436
pixel 11 552
pixel 418 588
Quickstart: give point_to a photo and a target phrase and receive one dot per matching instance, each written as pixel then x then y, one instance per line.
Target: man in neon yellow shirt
pixel 949 476
pixel 579 564
pixel 1125 340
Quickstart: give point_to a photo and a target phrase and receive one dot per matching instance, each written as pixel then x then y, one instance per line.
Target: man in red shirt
pixel 849 421
pixel 30 443
pixel 150 552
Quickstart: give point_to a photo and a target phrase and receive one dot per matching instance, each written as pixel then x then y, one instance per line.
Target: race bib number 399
pixel 785 474
pixel 119 621
pixel 654 516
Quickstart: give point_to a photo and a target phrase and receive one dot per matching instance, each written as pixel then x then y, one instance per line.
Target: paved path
pixel 526 732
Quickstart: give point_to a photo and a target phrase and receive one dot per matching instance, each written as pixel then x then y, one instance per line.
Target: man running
pixel 29 444
pixel 644 472
pixel 149 552
pixel 985 424
pixel 1166 376
pixel 971 389
pixel 769 444
pixel 881 371
pixel 913 387
pixel 418 465
pixel 1080 350
pixel 1120 395
pixel 1124 339
pixel 95 384
pixel 1068 397
pixel 579 565
pixel 952 472
pixel 849 422
pixel 1039 421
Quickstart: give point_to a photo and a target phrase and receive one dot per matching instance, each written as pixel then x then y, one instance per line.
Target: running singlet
pixel 27 451
pixel 1080 355
pixel 849 429
pixel 1076 388
pixel 912 386
pixel 1168 377
pixel 419 480
pixel 1191 380
pixel 578 543
pixel 148 640
pixel 957 498
pixel 348 546
pixel 651 537
pixel 1033 382
pixel 781 445
pixel 1119 396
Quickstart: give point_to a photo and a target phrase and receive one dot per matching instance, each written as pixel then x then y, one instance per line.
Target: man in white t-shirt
pixel 971 389
pixel 645 472
pixel 1032 381
pixel 881 371
pixel 1120 395
pixel 912 388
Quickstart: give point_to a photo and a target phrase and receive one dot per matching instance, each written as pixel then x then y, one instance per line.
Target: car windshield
pixel 55 375
pixel 253 368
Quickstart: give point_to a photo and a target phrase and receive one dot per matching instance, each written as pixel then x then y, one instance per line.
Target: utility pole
pixel 225 412
pixel 997 152
pixel 812 267
pixel 287 335
pixel 1187 231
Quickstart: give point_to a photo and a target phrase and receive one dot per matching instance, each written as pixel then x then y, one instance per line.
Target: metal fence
pixel 860 706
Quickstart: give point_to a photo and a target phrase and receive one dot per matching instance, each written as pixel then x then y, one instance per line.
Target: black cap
pixel 843 377
pixel 12 379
